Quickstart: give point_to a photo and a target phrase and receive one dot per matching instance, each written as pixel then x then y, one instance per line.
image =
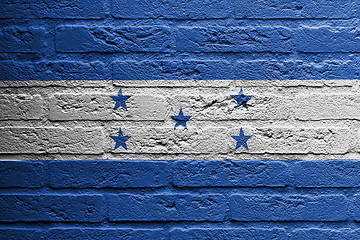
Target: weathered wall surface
pixel 172 39
pixel 308 120
pixel 298 180
pixel 284 187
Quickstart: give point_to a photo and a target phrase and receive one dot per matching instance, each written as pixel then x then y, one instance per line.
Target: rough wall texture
pixel 287 186
pixel 179 39
pixel 303 196
pixel 181 199
pixel 307 120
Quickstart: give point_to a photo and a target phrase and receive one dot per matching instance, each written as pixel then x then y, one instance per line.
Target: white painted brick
pixel 51 140
pixel 334 106
pixel 284 140
pixel 222 107
pixel 93 106
pixel 166 140
pixel 218 140
pixel 21 107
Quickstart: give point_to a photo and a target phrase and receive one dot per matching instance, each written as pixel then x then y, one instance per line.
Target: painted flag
pixel 179 119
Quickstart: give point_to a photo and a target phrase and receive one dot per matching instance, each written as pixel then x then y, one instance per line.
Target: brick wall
pixel 179 39
pixel 60 177
pixel 182 199
pixel 155 193
pixel 307 120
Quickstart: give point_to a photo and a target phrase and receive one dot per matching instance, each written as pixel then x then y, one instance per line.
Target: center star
pixel 241 140
pixel 241 99
pixel 120 140
pixel 181 119
pixel 120 100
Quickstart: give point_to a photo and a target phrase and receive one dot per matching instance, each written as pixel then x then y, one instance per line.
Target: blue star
pixel 181 119
pixel 120 140
pixel 120 100
pixel 241 140
pixel 241 99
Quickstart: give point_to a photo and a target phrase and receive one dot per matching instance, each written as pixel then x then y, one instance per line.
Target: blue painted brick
pixel 228 233
pixel 114 39
pixel 234 39
pixel 21 233
pixel 167 207
pixel 321 208
pixel 230 173
pixel 300 9
pixel 172 9
pixel 62 9
pixel 320 234
pixel 54 70
pixel 265 69
pixel 243 69
pixel 327 39
pixel 296 69
pixel 328 69
pixel 28 174
pixel 54 208
pixel 112 173
pixel 22 39
pixel 357 207
pixel 330 173
pixel 106 233
pixel 171 69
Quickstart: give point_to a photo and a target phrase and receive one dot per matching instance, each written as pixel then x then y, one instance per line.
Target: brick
pixel 243 173
pixel 329 106
pixel 289 70
pixel 51 140
pixel 228 233
pixel 301 9
pixel 23 174
pixel 22 39
pixel 54 208
pixel 324 140
pixel 55 70
pixel 266 70
pixel 217 140
pixel 327 39
pixel 357 207
pixel 112 173
pixel 95 106
pixel 106 233
pixel 242 69
pixel 166 140
pixel 331 173
pixel 172 69
pixel 20 233
pixel 167 207
pixel 234 39
pixel 321 208
pixel 172 9
pixel 21 106
pixel 74 38
pixel 221 106
pixel 328 69
pixel 63 9
pixel 320 234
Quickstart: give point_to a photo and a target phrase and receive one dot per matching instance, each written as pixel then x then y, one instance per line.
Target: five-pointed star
pixel 120 140
pixel 241 99
pixel 181 119
pixel 120 100
pixel 241 140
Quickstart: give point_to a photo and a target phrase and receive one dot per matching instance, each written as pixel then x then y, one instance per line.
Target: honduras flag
pixel 180 119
